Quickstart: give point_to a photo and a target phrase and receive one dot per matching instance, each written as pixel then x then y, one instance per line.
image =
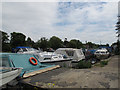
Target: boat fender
pixel 32 58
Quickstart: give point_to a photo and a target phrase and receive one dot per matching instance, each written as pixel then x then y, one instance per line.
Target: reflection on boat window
pixel 24 49
pixel 47 58
pixel 55 57
pixel 70 53
pixel 19 50
pixel 60 56
pixel 4 62
pixel 102 52
pixel 31 49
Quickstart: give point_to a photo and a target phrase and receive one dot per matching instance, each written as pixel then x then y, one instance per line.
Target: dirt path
pixel 96 77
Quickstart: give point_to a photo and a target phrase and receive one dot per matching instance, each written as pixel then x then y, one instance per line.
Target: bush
pixel 64 65
pixel 103 63
pixel 83 64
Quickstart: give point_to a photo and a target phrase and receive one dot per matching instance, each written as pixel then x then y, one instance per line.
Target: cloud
pixel 32 19
pixel 91 21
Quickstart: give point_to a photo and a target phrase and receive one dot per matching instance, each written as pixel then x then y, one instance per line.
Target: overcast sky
pixel 86 21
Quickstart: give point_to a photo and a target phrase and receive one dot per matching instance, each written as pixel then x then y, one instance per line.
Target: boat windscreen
pixel 70 52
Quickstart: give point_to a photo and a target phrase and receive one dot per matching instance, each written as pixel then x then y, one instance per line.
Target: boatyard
pixel 60 45
pixel 64 77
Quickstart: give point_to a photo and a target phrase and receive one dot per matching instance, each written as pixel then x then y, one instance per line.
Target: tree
pixel 5 42
pixel 55 42
pixel 107 44
pixel 66 43
pixel 29 42
pixel 75 44
pixel 42 43
pixel 17 39
pixel 5 37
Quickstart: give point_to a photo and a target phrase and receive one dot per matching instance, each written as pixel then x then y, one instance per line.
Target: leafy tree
pixel 55 42
pixel 92 45
pixel 75 44
pixel 107 44
pixel 29 42
pixel 66 43
pixel 42 43
pixel 5 37
pixel 5 42
pixel 17 39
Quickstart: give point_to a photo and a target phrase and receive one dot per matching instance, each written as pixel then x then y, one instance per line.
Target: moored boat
pixel 102 53
pixel 7 74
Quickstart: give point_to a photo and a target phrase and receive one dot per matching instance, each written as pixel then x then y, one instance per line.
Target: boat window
pixel 47 58
pixel 70 53
pixel 4 62
pixel 55 57
pixel 60 56
pixel 24 49
pixel 80 52
pixel 97 52
pixel 102 52
pixel 20 50
pixel 31 49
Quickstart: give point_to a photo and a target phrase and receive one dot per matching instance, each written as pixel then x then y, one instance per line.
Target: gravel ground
pixel 95 77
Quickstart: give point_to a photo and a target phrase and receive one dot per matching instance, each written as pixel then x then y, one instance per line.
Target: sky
pixel 85 21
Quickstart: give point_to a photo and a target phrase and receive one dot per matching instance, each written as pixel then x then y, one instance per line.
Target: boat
pixel 102 53
pixel 43 57
pixel 30 64
pixel 7 74
pixel 51 57
pixel 75 54
pixel 25 50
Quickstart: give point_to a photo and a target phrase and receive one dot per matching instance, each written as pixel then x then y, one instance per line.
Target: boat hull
pixel 62 63
pixel 102 56
pixel 8 76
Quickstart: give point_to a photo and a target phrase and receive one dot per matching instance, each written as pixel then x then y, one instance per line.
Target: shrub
pixel 64 65
pixel 83 64
pixel 103 63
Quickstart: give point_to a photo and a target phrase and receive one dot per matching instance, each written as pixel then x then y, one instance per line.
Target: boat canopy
pixel 22 47
pixel 75 54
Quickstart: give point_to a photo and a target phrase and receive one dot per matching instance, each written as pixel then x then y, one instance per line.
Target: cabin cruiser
pixel 26 50
pixel 43 57
pixel 75 54
pixel 102 53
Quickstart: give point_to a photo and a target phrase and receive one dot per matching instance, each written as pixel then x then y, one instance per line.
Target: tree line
pixel 19 39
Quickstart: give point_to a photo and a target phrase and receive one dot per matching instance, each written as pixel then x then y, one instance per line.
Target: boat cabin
pixel 75 54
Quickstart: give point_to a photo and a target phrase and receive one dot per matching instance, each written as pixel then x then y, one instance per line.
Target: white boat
pixel 75 54
pixel 7 74
pixel 43 57
pixel 26 50
pixel 102 53
pixel 50 57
